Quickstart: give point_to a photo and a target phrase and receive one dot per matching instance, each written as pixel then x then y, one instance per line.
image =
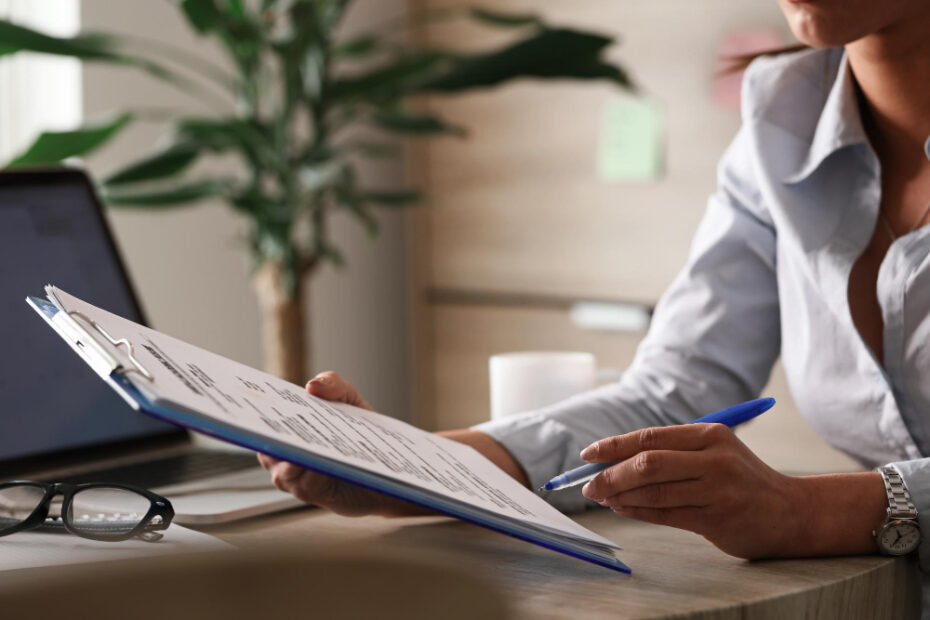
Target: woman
pixel 814 247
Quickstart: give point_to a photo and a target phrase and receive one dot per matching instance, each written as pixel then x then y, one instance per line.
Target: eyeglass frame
pixel 146 530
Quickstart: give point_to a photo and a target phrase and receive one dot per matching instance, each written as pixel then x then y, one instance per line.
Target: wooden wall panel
pixel 518 205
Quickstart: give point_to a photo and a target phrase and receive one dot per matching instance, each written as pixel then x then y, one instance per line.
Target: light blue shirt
pixel 797 201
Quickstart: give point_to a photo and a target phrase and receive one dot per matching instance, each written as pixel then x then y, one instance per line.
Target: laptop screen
pixel 52 232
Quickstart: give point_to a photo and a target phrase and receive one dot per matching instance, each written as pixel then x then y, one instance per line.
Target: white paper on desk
pixel 35 548
pixel 192 379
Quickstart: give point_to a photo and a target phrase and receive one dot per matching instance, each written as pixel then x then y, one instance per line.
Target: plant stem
pixel 283 323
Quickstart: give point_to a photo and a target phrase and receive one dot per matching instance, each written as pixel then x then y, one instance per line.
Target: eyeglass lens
pixel 17 503
pixel 106 512
pixel 96 512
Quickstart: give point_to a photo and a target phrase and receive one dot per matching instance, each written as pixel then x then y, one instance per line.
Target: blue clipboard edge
pixel 368 480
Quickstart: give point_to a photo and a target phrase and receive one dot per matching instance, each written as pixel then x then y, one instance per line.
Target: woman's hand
pixel 350 500
pixel 340 497
pixel 700 477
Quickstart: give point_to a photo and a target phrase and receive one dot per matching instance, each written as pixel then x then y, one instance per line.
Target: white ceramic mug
pixel 528 380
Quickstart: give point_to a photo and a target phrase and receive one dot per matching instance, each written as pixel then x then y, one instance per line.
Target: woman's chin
pixel 829 23
pixel 816 31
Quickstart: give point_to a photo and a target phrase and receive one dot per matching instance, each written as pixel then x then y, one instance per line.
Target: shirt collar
pixel 839 125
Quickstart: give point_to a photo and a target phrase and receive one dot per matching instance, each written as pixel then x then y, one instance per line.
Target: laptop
pixel 58 421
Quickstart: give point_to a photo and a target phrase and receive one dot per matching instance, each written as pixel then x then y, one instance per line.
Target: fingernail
pixel 590 452
pixel 586 491
pixel 322 379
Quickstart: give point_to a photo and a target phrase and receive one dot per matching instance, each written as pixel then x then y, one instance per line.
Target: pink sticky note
pixel 739 43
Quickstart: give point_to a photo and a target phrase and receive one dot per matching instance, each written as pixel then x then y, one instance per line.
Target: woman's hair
pixel 735 64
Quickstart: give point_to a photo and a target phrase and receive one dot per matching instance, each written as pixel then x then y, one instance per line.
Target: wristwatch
pixel 900 532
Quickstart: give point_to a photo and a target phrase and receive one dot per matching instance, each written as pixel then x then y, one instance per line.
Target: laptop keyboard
pixel 170 470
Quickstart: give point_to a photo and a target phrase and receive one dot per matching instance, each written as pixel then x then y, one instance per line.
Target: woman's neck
pixel 892 68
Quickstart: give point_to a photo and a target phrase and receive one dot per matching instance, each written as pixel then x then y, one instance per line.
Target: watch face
pixel 899 538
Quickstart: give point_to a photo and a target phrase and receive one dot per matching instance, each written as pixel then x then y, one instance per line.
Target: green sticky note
pixel 632 141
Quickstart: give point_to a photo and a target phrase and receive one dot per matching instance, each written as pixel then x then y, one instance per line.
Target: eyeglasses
pixel 108 512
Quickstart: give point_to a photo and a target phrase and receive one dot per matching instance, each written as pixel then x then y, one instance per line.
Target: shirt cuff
pixel 541 446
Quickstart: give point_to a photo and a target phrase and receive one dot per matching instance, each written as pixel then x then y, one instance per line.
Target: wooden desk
pixel 675 573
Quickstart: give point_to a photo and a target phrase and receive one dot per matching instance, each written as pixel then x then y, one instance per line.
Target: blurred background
pixel 554 225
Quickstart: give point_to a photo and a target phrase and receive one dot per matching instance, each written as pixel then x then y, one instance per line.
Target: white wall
pixel 190 265
pixel 38 91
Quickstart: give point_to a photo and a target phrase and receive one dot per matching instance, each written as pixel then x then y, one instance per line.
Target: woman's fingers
pixel 645 468
pixel 267 462
pixel 303 484
pixel 284 475
pixel 307 486
pixel 662 495
pixel 330 386
pixel 340 497
pixel 681 437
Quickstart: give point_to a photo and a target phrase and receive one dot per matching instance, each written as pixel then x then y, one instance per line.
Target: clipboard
pixel 113 358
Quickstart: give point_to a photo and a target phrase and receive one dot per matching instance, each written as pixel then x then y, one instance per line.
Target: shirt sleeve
pixel 713 340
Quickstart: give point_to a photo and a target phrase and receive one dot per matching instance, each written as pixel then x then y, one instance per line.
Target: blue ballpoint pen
pixel 731 416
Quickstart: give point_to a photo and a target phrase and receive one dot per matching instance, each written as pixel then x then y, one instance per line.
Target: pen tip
pixel 542 488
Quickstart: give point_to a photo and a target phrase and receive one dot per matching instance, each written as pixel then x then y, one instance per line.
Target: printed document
pixel 189 379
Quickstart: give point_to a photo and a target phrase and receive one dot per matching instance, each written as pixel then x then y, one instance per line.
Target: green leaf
pixel 392 79
pixel 302 58
pixel 15 38
pixel 217 135
pixel 88 47
pixel 550 53
pixel 356 206
pixel 504 20
pixel 349 198
pixel 237 8
pixel 52 147
pixel 165 163
pixel 169 197
pixel 333 255
pixel 225 134
pixel 241 34
pixel 251 201
pixel 359 47
pixel 203 15
pixel 592 70
pixel 404 122
pixel 398 198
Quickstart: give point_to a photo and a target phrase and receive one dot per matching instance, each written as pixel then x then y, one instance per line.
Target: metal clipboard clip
pixel 137 366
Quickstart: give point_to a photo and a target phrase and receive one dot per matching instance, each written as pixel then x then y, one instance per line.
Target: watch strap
pixel 900 505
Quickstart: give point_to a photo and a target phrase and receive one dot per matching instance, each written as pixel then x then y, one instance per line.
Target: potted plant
pixel 297 88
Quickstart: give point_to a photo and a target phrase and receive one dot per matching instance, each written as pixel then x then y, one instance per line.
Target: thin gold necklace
pixel 916 225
